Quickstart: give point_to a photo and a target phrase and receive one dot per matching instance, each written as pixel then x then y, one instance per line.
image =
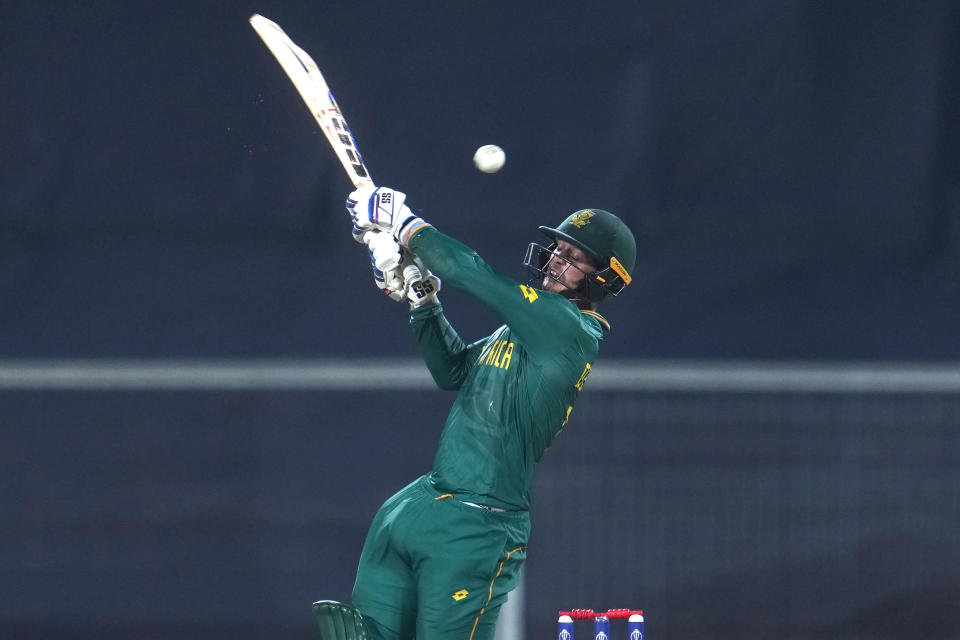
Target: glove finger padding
pixel 361 194
pixel 389 281
pixel 394 285
pixel 360 235
pixel 385 252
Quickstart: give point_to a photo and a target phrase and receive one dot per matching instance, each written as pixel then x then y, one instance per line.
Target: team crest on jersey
pixel 460 595
pixel 582 219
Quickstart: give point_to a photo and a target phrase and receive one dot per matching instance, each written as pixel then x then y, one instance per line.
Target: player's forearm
pixel 453 262
pixel 442 349
pixel 461 268
pixel 524 309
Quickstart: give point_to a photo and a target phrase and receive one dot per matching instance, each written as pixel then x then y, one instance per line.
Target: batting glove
pixel 382 208
pixel 385 252
pixel 422 286
pixel 385 257
pixel 389 282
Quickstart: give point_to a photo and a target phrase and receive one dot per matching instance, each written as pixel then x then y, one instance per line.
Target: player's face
pixel 560 271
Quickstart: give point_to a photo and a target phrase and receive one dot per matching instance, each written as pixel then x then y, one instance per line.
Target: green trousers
pixel 434 568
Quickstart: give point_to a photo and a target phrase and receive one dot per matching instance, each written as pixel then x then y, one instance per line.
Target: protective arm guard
pixel 338 621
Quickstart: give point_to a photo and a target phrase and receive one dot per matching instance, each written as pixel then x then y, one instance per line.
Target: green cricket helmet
pixel 605 239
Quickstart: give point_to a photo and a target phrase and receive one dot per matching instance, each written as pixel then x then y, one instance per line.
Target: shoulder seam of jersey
pixel 603 321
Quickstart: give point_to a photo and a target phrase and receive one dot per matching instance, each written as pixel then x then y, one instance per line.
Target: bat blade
pixel 306 77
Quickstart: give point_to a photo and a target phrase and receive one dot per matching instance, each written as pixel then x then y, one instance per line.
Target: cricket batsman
pixel 443 553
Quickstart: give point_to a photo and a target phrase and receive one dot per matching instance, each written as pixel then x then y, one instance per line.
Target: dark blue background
pixel 792 170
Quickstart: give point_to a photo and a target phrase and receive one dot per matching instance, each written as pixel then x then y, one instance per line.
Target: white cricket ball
pixel 489 158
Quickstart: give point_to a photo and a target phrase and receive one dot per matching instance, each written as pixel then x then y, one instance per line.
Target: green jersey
pixel 517 387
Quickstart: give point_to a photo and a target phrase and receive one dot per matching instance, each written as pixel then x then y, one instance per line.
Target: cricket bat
pixel 306 77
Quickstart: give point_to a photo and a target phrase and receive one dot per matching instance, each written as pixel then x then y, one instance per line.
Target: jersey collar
pixel 603 321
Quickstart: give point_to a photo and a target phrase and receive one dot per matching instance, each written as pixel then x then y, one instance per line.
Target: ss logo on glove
pixel 422 288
